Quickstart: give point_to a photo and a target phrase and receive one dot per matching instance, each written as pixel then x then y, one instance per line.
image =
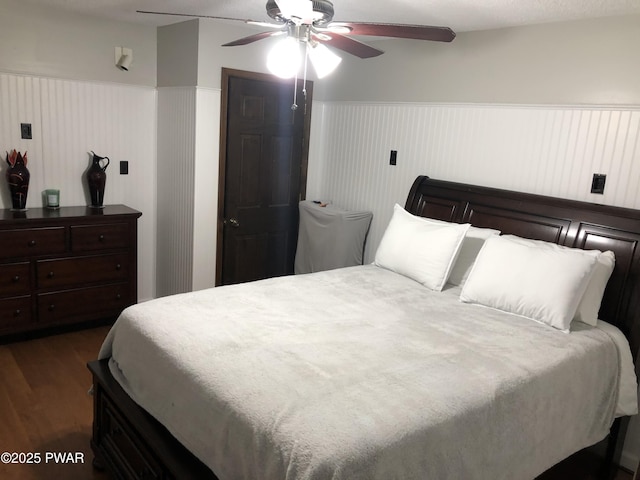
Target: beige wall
pixel 47 42
pixel 178 54
pixel 212 57
pixel 591 62
pixel 190 53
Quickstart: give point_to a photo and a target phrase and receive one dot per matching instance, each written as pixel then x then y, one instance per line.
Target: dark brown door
pixel 263 175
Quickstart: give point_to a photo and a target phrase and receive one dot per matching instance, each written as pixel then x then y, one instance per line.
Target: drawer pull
pixel 32 243
pixel 118 267
pixel 16 279
pixel 50 275
pixel 101 238
pixel 118 296
pixel 17 313
pixel 52 307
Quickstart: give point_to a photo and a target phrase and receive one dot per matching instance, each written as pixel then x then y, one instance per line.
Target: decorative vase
pixel 18 179
pixel 96 178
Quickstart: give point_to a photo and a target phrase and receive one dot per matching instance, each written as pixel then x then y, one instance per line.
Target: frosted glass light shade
pixel 324 61
pixel 285 58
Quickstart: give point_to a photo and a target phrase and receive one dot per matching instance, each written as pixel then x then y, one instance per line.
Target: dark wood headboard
pixel 565 222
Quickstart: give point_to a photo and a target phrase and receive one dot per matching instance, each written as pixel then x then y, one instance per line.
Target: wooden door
pixel 264 150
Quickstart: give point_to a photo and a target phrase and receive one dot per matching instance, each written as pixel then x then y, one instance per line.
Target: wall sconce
pixel 124 58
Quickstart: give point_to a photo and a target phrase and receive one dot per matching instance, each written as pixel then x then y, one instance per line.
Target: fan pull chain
pixel 294 107
pixel 304 80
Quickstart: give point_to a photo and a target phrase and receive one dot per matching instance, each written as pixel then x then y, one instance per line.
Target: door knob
pixel 233 222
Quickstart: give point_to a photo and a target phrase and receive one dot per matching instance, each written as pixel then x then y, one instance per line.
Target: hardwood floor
pixel 45 407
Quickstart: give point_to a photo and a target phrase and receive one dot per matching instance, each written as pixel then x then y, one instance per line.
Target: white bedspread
pixel 360 373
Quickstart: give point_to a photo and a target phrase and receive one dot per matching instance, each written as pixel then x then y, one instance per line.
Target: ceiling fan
pixel 311 22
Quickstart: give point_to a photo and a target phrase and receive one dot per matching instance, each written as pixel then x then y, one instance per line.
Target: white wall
pixel 541 149
pixel 188 139
pixel 57 72
pixel 70 118
pixel 205 187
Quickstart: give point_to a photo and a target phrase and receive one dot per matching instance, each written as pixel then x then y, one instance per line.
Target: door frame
pixel 224 104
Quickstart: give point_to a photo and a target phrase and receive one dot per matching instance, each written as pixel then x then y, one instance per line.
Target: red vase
pixel 18 179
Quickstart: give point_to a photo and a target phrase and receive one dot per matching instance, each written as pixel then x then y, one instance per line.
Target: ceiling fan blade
pixel 349 45
pixel 396 30
pixel 252 22
pixel 252 38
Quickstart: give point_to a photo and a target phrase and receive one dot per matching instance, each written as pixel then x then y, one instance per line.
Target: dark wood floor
pixel 44 404
pixel 45 407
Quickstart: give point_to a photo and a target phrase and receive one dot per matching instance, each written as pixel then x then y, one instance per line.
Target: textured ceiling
pixel 460 15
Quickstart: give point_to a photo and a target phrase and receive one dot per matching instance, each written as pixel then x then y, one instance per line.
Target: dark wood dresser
pixel 74 265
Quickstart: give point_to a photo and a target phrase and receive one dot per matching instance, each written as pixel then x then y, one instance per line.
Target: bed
pixel 381 384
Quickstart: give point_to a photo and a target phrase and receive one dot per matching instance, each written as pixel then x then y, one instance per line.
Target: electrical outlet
pixel 393 158
pixel 25 131
pixel 597 184
pixel 124 167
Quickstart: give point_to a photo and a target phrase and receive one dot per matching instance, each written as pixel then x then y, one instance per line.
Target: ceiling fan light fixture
pixel 324 61
pixel 284 59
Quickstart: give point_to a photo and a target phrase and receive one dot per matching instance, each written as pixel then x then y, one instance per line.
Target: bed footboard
pixel 129 443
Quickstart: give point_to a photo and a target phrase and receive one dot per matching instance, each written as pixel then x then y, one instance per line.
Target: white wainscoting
pixel 70 118
pixel 540 149
pixel 188 140
pixel 176 166
pixel 205 228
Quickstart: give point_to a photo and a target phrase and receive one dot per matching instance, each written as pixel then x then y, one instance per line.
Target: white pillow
pixel 473 242
pixel 589 306
pixel 542 281
pixel 421 250
pixel 471 245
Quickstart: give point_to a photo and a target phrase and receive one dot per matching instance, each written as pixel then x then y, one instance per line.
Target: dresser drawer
pixel 15 312
pixel 14 279
pixel 86 303
pixel 94 269
pixel 31 241
pixel 88 238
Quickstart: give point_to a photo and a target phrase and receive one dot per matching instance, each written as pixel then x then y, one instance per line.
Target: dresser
pixel 73 265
